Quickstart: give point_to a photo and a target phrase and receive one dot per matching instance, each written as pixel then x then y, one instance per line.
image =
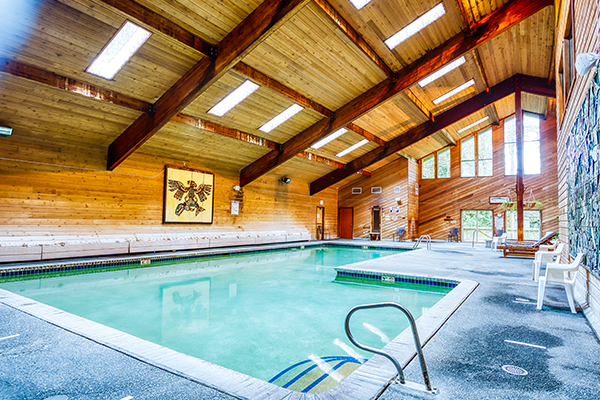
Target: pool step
pixel 316 374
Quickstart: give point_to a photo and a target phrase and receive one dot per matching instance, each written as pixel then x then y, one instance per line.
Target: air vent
pixel 396 189
pixel 356 190
pixel 376 189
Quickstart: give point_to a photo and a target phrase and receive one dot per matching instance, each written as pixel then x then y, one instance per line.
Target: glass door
pixel 478 223
pixel 532 224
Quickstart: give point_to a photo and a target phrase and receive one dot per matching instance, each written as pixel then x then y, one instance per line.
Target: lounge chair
pixel 562 274
pixel 525 249
pixel 545 256
pixel 399 234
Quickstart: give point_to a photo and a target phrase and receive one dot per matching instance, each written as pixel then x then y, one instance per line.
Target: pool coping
pixel 366 382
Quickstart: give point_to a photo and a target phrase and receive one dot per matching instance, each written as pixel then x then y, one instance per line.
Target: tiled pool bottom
pixel 370 379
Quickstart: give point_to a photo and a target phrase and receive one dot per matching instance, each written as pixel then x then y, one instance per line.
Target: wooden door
pixel 346 222
pixel 320 223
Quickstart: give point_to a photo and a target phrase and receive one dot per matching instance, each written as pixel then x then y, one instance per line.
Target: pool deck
pixel 464 358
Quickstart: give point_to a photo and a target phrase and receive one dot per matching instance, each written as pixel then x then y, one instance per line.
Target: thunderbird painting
pixel 188 196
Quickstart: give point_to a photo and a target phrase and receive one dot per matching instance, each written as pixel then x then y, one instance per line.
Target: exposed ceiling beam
pixel 252 31
pixel 538 86
pixel 163 25
pixel 354 36
pixel 463 15
pixel 71 85
pixel 366 134
pixel 481 69
pixel 419 104
pixel 504 18
pixel 428 128
pixel 444 138
pixel 492 112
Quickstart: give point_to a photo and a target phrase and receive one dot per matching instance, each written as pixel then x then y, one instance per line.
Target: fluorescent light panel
pixel 233 98
pixel 119 50
pixel 329 138
pixel 461 130
pixel 360 3
pixel 352 148
pixel 281 118
pixel 442 71
pixel 415 26
pixel 454 91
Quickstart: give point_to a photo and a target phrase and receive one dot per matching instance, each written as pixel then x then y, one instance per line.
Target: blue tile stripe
pixel 322 377
pixel 383 277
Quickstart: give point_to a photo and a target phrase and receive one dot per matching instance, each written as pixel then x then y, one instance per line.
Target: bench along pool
pixel 277 316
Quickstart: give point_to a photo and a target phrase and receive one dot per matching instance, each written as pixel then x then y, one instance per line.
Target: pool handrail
pixel 427 238
pixel 427 387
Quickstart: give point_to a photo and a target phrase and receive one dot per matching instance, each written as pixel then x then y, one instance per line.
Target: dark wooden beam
pixel 244 38
pixel 366 134
pixel 507 16
pixel 71 85
pixel 520 187
pixel 538 86
pixel 354 36
pixel 271 83
pixel 163 25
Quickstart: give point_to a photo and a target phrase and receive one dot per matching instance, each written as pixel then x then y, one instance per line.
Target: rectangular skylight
pixel 352 148
pixel 329 138
pixel 415 26
pixel 442 71
pixel 360 3
pixel 281 118
pixel 461 130
pixel 454 91
pixel 233 98
pixel 119 50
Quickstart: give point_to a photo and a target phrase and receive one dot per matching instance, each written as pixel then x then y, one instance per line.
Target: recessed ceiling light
pixel 233 98
pixel 442 71
pixel 281 118
pixel 415 26
pixel 352 148
pixel 454 91
pixel 473 124
pixel 119 50
pixel 329 138
pixel 360 3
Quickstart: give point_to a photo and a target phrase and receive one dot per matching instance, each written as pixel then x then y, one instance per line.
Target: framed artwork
pixel 188 196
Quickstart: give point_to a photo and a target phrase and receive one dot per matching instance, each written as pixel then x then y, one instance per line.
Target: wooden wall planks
pixel 440 198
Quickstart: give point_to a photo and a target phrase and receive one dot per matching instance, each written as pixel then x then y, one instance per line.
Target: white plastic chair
pixel 498 240
pixel 545 255
pixel 559 273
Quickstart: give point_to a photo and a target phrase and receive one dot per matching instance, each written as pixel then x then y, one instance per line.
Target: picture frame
pixel 188 196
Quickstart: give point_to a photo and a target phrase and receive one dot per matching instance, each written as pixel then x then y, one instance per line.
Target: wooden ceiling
pixel 324 55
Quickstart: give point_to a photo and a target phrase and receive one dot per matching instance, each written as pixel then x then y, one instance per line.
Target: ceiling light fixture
pixel 285 179
pixel 329 138
pixel 281 118
pixel 473 124
pixel 415 26
pixel 360 3
pixel 454 91
pixel 119 50
pixel 352 148
pixel 442 71
pixel 233 98
pixel 5 131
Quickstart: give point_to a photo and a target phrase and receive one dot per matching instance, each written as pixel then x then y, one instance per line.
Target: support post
pixel 519 138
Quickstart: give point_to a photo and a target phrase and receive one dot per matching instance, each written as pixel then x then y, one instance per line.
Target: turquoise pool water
pixel 260 314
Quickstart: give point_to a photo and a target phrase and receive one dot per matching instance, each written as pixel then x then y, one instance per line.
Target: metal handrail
pixel 413 326
pixel 427 237
pixel 474 232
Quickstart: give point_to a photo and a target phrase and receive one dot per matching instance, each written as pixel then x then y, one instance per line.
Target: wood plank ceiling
pixel 324 55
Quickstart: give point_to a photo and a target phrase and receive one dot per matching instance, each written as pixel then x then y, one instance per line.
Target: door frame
pixel 321 236
pixel 340 221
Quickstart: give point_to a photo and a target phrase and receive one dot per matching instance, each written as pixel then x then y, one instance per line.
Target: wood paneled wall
pixel 399 174
pixel 585 28
pixel 440 198
pixel 40 196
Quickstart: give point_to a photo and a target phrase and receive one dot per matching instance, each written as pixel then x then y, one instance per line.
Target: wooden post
pixel 519 137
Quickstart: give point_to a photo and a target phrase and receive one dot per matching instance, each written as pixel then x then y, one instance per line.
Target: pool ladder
pixel 427 238
pixel 413 385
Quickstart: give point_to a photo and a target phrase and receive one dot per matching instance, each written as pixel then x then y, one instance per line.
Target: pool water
pixel 277 316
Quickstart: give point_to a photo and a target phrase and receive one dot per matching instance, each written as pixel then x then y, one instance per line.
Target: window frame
pixel 435 156
pixel 514 152
pixel 476 159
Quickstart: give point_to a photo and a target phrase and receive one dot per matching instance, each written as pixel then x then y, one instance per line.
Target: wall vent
pixel 356 190
pixel 376 189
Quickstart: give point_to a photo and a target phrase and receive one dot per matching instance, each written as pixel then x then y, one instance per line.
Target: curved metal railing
pixel 427 238
pixel 427 387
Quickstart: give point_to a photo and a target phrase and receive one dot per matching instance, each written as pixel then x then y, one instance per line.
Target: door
pixel 320 223
pixel 476 224
pixel 346 222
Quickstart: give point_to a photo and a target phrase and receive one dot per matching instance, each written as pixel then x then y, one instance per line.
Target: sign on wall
pixel 188 196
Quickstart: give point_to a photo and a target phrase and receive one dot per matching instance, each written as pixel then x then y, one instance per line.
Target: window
pixel 531 145
pixel 485 153
pixel 476 223
pixel 416 26
pixel 532 224
pixel 443 169
pixel 467 157
pixel 428 167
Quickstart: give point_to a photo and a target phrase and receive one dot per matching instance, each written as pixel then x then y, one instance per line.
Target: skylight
pixel 454 91
pixel 360 3
pixel 119 50
pixel 233 98
pixel 415 26
pixel 281 118
pixel 461 130
pixel 442 71
pixel 329 138
pixel 352 148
